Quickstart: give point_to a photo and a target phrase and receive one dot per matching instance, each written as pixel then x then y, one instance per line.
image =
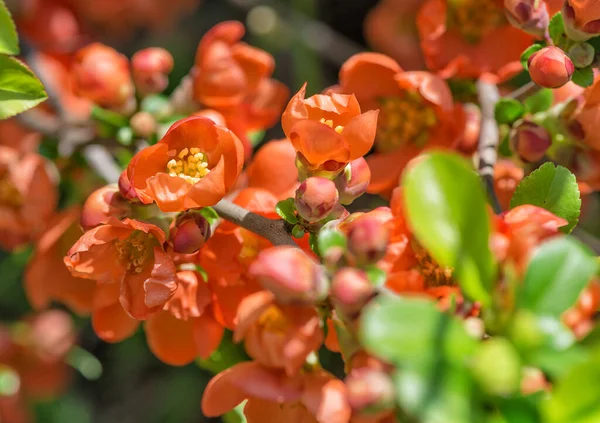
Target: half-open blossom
pixel 582 19
pixel 277 336
pixel 101 74
pixel 470 38
pixel 185 329
pixel 416 112
pixel 530 16
pixel 235 79
pixel 273 397
pixel 550 67
pixel 130 255
pixel 102 204
pixel 273 168
pixel 328 130
pixel 47 278
pixel 194 165
pixel 28 197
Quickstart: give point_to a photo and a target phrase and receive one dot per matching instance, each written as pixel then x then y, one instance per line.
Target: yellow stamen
pixel 328 122
pixel 9 194
pixel 136 250
pixel 432 272
pixel 191 166
pixel 273 320
pixel 475 18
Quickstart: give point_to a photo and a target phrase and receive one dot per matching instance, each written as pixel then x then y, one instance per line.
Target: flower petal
pixel 360 132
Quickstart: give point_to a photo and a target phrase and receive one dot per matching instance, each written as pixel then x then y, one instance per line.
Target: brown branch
pixel 273 230
pixel 525 91
pixel 489 137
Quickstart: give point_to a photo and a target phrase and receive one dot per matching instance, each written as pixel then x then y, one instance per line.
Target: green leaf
pixel 540 101
pixel 583 77
pixel 553 188
pixel 20 90
pixel 256 137
pixel 508 110
pixel 298 231
pixel 313 242
pixel 109 117
pixel 575 397
pixel 330 237
pixel 287 210
pixel 446 207
pixel 557 273
pixel 376 275
pixel 209 214
pixel 413 332
pixel 520 409
pixel 527 54
pixel 556 29
pixel 9 41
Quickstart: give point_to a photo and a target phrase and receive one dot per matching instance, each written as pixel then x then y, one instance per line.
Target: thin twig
pixel 489 137
pixel 525 91
pixel 273 230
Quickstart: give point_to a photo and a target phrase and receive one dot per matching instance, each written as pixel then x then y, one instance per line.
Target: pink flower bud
pixel 550 67
pixel 351 290
pixel 530 16
pixel 353 181
pixel 127 191
pixel 367 239
pixel 101 74
pixel 582 19
pixel 291 275
pixel 530 141
pixel 370 391
pixel 316 197
pixel 189 232
pixel 150 69
pixel 102 204
pixel 143 124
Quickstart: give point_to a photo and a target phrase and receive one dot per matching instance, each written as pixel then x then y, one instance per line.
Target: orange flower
pixel 194 165
pixel 582 19
pixel 46 277
pixel 507 176
pixel 185 328
pixel 109 320
pixel 234 79
pixel 128 255
pixel 277 336
pixel 102 204
pixel 328 130
pixel 28 197
pixel 586 116
pixel 16 136
pixel 470 38
pixel 390 28
pixel 274 397
pixel 416 112
pixel 273 168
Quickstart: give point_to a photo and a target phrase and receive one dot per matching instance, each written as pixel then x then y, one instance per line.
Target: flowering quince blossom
pixel 194 165
pixel 416 112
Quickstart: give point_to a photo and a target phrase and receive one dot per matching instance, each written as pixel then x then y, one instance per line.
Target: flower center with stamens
pixel 432 272
pixel 475 18
pixel 192 165
pixel 403 120
pixel 9 194
pixel 136 250
pixel 328 122
pixel 273 320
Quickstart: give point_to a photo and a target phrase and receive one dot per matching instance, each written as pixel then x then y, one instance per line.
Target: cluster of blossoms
pixel 199 237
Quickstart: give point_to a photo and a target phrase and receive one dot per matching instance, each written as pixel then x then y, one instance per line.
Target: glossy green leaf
pixel 583 77
pixel 20 90
pixel 413 332
pixel 508 110
pixel 446 208
pixel 553 188
pixel 527 54
pixel 287 210
pixel 540 101
pixel 330 237
pixel 556 29
pixel 557 273
pixel 9 41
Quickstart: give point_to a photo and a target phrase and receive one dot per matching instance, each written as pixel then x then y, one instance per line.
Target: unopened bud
pixel 370 391
pixel 582 55
pixel 126 189
pixel 530 16
pixel 530 141
pixel 316 197
pixel 353 181
pixel 582 19
pixel 367 239
pixel 188 233
pixel 102 204
pixel 143 124
pixel 550 67
pixel 52 333
pixel 101 74
pixel 150 69
pixel 351 290
pixel 291 275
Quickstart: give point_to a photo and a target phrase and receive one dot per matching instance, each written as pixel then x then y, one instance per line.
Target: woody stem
pixel 489 137
pixel 273 230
